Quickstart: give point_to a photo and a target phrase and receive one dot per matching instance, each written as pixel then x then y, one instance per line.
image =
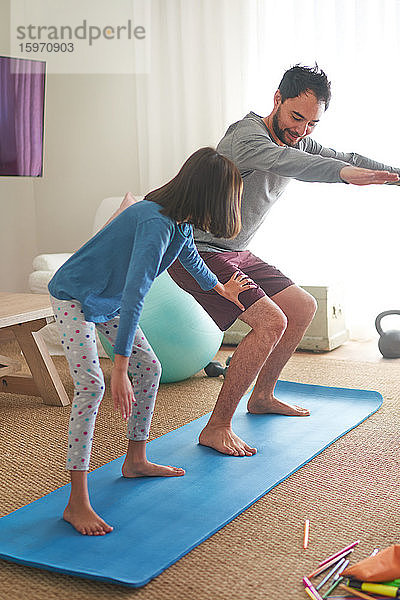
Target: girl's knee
pixel 155 363
pixel 148 363
pixel 155 369
pixel 89 386
pixel 91 382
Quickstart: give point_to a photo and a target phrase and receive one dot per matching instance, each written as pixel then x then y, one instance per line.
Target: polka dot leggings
pixel 79 343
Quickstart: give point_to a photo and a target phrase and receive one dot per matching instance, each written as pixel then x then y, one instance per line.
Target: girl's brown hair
pixel 206 192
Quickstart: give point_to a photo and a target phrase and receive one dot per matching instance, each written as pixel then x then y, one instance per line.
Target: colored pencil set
pixel 335 565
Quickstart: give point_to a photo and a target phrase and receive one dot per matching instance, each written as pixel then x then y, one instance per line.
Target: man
pixel 268 152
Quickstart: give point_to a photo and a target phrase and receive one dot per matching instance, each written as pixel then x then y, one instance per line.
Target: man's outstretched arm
pixel 361 170
pixel 309 162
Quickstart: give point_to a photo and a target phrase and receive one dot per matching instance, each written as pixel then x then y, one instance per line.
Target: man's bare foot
pixel 127 201
pixel 85 520
pixel 224 440
pixel 148 469
pixel 275 406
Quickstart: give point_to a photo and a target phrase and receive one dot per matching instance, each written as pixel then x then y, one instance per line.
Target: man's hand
pixel 358 176
pixel 237 283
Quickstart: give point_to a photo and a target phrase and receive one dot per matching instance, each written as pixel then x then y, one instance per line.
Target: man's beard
pixel 280 133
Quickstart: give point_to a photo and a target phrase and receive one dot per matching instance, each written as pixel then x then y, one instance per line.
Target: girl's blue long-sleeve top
pixel 112 273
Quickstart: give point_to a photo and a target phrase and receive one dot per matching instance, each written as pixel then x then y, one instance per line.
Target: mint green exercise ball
pixel 181 333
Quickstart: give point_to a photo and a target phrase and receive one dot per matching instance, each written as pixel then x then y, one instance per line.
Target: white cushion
pixel 107 207
pixel 38 281
pixel 50 262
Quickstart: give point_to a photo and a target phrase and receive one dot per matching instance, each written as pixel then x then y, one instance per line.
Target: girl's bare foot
pixel 85 520
pixel 148 469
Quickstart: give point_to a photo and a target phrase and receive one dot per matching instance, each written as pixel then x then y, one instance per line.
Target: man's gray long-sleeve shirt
pixel 266 169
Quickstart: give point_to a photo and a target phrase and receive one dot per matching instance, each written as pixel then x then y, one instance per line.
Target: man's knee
pixel 298 305
pixel 266 319
pixel 307 308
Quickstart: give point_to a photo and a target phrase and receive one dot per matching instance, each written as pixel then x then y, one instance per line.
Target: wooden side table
pixel 25 315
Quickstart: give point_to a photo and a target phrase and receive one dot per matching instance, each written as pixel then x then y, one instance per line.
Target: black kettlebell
pixel 215 369
pixel 389 342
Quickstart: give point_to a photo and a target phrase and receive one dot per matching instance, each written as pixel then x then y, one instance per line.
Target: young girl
pixel 103 286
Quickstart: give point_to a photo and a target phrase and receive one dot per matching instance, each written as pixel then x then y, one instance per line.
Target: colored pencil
pixel 342 568
pixel 306 533
pixel 331 572
pixel 329 564
pixel 309 593
pixel 339 553
pixel 333 586
pixel 308 585
pixel 355 592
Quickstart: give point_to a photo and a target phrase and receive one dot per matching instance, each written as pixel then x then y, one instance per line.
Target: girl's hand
pixel 231 289
pixel 122 392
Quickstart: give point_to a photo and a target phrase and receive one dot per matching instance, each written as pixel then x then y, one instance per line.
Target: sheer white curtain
pixel 214 60
pixel 199 80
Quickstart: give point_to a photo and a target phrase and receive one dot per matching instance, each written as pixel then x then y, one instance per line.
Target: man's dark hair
pixel 298 80
pixel 206 192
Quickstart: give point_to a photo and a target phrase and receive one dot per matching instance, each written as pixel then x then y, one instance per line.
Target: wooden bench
pixel 24 315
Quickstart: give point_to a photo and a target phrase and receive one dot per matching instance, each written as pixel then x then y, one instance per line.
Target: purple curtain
pixel 8 145
pixel 21 116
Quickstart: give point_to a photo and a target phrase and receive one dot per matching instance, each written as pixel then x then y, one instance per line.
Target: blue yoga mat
pixel 158 520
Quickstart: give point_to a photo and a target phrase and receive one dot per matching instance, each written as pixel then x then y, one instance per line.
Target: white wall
pixel 90 153
pixel 17 232
pixel 17 209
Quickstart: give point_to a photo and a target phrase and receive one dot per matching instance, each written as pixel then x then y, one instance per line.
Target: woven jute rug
pixel 350 491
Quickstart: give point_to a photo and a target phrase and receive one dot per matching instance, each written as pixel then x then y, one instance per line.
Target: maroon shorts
pixel 269 282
